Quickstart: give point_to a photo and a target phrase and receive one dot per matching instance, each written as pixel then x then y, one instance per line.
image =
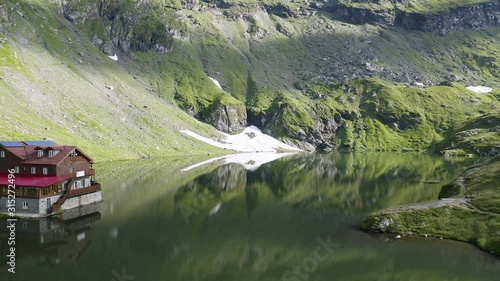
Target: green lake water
pixel 295 218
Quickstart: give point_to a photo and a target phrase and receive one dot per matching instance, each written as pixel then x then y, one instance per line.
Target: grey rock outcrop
pixel 130 29
pixel 474 17
pixel 468 17
pixel 226 118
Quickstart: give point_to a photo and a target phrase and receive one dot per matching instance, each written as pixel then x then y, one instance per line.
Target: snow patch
pixel 115 57
pixel 480 89
pixel 250 161
pixel 215 82
pixel 250 140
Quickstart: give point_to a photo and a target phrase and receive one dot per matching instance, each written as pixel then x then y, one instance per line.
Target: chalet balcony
pixel 84 190
pixel 90 172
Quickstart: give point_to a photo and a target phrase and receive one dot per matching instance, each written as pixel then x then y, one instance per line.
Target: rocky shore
pixel 472 216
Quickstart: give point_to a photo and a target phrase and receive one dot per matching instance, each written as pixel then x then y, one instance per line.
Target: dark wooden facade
pixel 66 169
pixel 34 192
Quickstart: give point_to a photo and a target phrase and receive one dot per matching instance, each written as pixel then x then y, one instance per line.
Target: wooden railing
pixel 89 172
pixel 75 158
pixel 84 190
pixel 63 197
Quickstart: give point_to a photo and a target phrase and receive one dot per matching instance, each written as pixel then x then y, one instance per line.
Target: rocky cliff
pixel 123 25
pixel 441 22
pixel 471 17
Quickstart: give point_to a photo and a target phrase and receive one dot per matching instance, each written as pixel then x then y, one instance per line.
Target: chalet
pixel 48 177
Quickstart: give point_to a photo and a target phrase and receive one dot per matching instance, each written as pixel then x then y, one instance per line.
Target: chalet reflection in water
pixel 48 177
pixel 53 240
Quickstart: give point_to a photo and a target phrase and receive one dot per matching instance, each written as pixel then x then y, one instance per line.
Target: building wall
pixel 65 167
pixel 43 203
pixel 83 181
pixel 82 200
pixel 26 169
pixel 81 166
pixel 35 205
pixel 9 162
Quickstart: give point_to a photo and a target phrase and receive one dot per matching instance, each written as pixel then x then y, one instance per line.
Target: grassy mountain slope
pixel 55 83
pixel 301 75
pixel 480 135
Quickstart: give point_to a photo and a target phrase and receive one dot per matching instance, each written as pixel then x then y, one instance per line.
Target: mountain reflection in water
pixel 220 221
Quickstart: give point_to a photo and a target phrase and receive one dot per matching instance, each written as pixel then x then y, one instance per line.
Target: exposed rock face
pixel 287 11
pixel 136 28
pixel 4 15
pixel 78 14
pixel 364 16
pixel 191 5
pixel 306 130
pixel 473 17
pixel 226 118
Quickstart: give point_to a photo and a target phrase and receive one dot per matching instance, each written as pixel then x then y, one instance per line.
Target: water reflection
pixel 52 241
pixel 223 222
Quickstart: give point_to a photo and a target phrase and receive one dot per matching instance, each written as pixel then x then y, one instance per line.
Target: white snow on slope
pixel 215 82
pixel 480 89
pixel 250 161
pixel 250 140
pixel 115 57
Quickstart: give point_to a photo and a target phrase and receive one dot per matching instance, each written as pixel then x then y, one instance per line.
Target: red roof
pixel 31 180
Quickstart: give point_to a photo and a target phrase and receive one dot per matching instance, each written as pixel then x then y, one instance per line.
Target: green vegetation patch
pixel 478 224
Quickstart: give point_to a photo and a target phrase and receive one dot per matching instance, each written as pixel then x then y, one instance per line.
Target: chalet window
pixel 17 169
pixel 25 205
pixel 33 170
pixel 45 171
pixel 40 153
pixel 2 153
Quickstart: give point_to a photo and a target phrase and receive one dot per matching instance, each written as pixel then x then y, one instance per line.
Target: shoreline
pixel 470 216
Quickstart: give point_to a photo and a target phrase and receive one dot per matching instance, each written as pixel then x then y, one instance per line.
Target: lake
pixel 296 217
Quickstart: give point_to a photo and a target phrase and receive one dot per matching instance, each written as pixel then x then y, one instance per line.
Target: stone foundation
pixel 82 200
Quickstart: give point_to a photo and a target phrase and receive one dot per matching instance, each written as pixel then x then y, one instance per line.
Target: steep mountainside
pixel 381 75
pixel 54 83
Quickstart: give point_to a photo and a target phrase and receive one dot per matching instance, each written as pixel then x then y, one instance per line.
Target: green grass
pixel 6 217
pixel 277 78
pixel 478 135
pixel 479 225
pixel 67 100
pixel 474 227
